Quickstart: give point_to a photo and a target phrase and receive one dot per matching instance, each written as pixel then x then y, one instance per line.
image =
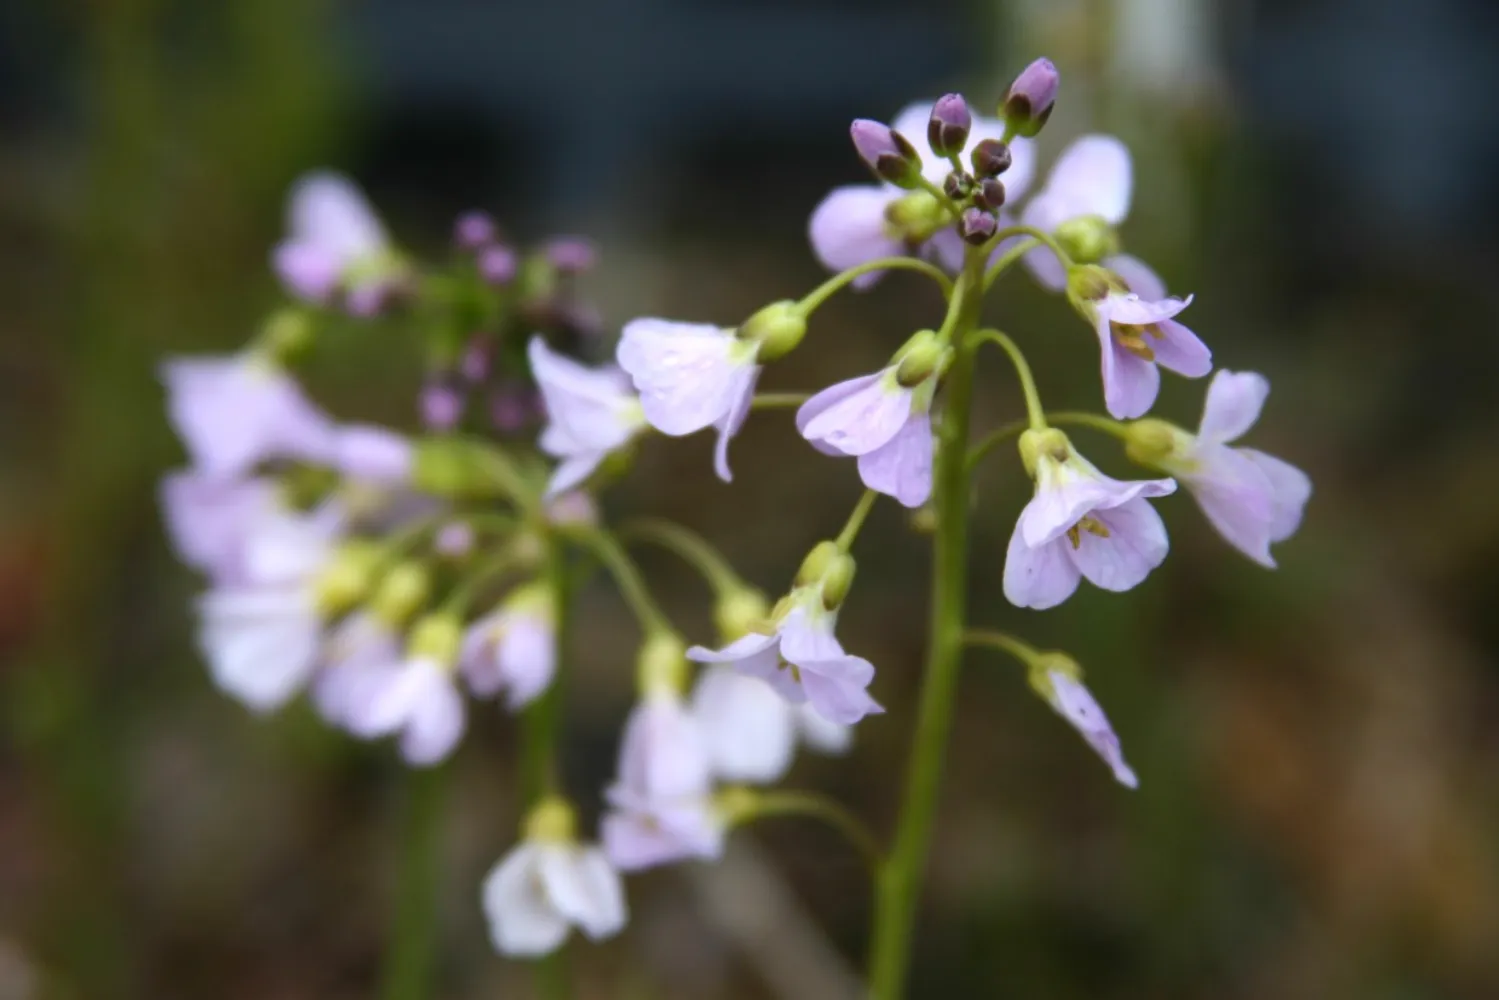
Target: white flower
pixel 750 732
pixel 885 424
pixel 515 647
pixel 420 702
pixel 361 657
pixel 542 888
pixel 590 413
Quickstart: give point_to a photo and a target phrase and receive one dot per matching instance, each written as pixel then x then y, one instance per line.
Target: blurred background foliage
pixel 1318 814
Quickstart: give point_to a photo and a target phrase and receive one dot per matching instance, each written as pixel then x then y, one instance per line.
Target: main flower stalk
pixel 898 886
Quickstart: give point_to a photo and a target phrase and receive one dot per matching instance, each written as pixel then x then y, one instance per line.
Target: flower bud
pixel 661 664
pixel 916 216
pixel 550 821
pixel 736 804
pixel 1028 104
pixel 474 231
pixel 816 564
pixel 921 358
pixel 571 254
pixel 497 265
pixel 991 194
pixel 1087 284
pixel 1043 665
pixel 976 226
pixel 442 404
pixel 1151 441
pixel 837 580
pixel 286 336
pixel 957 186
pixel 990 158
pixel 475 362
pixel 347 578
pixel 437 636
pixel 1047 442
pixel 888 153
pixel 947 130
pixel 401 593
pixel 737 612
pixel 777 328
pixel 1087 239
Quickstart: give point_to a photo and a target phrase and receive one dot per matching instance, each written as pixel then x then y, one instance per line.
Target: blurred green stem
pixel 408 964
pixel 900 878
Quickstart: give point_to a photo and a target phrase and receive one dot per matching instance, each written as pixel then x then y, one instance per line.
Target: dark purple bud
pixel 474 364
pixel 889 154
pixel 976 226
pixel 957 186
pixel 497 265
pixel 442 405
pixel 947 131
pixel 991 194
pixel 571 254
pixel 474 231
pixel 1030 98
pixel 990 158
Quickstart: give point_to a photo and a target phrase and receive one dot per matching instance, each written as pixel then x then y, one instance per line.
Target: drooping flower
pixel 661 802
pixel 1080 524
pixel 857 223
pixel 514 647
pixel 419 700
pixel 372 454
pixel 548 884
pixel 208 520
pixel 261 630
pixel 1086 195
pixel 883 419
pixel 590 413
pixel 335 243
pixel 236 411
pixel 691 376
pixel 1060 684
pixel 1252 498
pixel 750 732
pixel 1135 335
pixel 361 657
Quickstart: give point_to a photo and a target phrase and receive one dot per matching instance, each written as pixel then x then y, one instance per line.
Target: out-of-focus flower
pixel 514 647
pixel 750 732
pixel 335 243
pixel 1086 195
pixel 1057 679
pixel 590 413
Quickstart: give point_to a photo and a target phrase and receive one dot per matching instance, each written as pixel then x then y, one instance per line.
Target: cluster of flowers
pixel 326 544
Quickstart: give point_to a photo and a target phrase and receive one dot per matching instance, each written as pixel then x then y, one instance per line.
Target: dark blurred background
pixel 1318 747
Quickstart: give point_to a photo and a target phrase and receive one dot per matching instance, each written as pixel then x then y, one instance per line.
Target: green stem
pixel 856 520
pixel 540 729
pixel 1041 237
pixel 1096 421
pixel 627 576
pixel 691 547
pixel 1033 409
pixel 1022 651
pixel 948 205
pixel 791 803
pixel 778 400
pixel 996 437
pixel 408 965
pixel 835 284
pixel 900 877
pixel 1007 259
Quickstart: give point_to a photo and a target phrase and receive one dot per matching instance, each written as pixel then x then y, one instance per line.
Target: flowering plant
pixel 384 574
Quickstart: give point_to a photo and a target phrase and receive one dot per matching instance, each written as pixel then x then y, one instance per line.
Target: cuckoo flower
pixel 234 412
pixel 371 455
pixel 513 648
pixel 883 419
pixel 336 243
pixel 209 520
pixel 750 732
pixel 691 376
pixel 1086 195
pixel 261 629
pixel 548 884
pixel 361 657
pixel 858 223
pixel 419 700
pixel 590 413
pixel 1136 334
pixel 1080 523
pixel 1252 498
pixel 661 803
pixel 1058 680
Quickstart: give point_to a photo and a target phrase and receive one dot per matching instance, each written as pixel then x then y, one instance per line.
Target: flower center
pixel 1132 338
pixel 1091 525
pixel 796 672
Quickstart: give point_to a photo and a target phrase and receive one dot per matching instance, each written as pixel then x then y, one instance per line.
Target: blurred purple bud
pixel 957 186
pixel 571 254
pixel 474 230
pixel 990 158
pixel 889 154
pixel 368 299
pixel 991 194
pixel 454 540
pixel 497 265
pixel 947 131
pixel 442 406
pixel 1028 104
pixel 512 408
pixel 976 226
pixel 474 365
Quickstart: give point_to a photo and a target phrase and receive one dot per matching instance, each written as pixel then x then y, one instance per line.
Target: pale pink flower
pixel 334 243
pixel 750 732
pixel 1073 702
pixel 590 413
pixel 420 702
pixel 362 656
pixel 1081 523
pixel 543 888
pixel 1092 178
pixel 208 520
pixel 372 454
pixel 691 376
pixel 513 648
pixel 1252 498
pixel 885 424
pixel 1135 335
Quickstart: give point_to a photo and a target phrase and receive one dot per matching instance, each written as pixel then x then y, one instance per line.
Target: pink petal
pixel 1293 488
pixel 848 228
pixel 1136 544
pixel 1076 704
pixel 1179 350
pixel 836 689
pixel 328 211
pixel 1040 577
pixel 1137 275
pixel 685 372
pixel 1130 383
pixel 743 398
pixel 825 400
pixel 306 271
pixel 1237 498
pixel 902 468
pixel 1093 175
pixel 862 420
pixel 1233 404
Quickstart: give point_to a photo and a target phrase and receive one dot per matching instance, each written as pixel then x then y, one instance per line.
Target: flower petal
pixel 743 397
pixel 1094 175
pixel 1137 275
pixel 837 689
pixel 1040 577
pixel 522 919
pixel 1237 498
pixel 436 722
pixel 1180 350
pixel 328 211
pixel 860 420
pixel 747 728
pixel 1136 544
pixel 584 888
pixel 808 636
pixel 686 373
pixel 1233 404
pixel 902 467
pixel 1076 704
pixel 1293 488
pixel 848 228
pixel 1130 383
pixel 826 400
